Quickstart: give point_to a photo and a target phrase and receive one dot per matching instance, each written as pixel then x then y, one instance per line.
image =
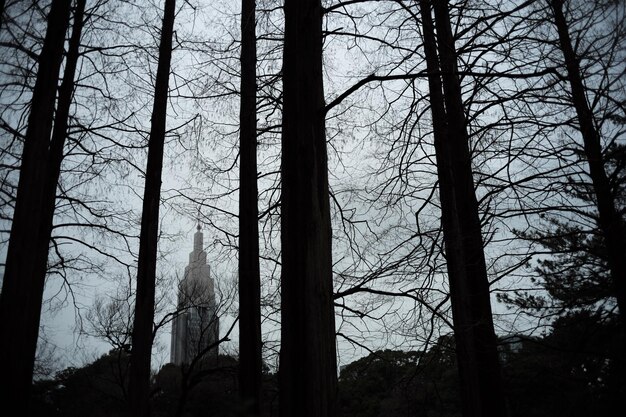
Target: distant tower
pixel 196 326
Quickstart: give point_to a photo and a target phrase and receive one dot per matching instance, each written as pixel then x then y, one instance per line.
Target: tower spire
pixel 198 239
pixel 193 333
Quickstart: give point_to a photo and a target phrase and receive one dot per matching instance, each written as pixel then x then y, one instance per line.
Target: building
pixel 196 325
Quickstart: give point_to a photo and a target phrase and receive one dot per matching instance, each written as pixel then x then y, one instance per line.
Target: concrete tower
pixel 196 326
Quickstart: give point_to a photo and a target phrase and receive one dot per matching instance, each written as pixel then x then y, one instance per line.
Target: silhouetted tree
pixel 25 270
pixel 208 390
pixel 583 353
pixel 391 383
pixel 308 369
pixel 570 371
pixel 481 388
pixel 610 221
pixel 2 4
pixel 249 274
pixel 142 336
pixel 97 389
pixel 576 275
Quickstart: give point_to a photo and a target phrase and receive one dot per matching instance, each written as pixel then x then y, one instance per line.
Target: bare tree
pixel 142 337
pixel 308 370
pixel 250 361
pixel 475 338
pixel 46 358
pixel 25 270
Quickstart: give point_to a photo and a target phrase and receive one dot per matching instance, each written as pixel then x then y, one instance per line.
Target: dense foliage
pixel 573 370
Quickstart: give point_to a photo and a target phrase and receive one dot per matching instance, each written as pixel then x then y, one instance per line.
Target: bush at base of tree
pixel 99 389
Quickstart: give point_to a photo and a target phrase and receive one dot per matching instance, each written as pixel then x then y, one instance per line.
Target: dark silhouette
pixel 610 221
pixel 249 275
pixel 2 4
pixel 481 387
pixel 27 255
pixel 142 336
pixel 308 370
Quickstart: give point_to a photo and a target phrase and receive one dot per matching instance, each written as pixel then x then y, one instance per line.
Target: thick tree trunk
pixel 24 276
pixel 142 337
pixel 308 366
pixel 610 222
pixel 476 343
pixel 249 274
pixel 59 135
pixel 2 3
pixel 61 118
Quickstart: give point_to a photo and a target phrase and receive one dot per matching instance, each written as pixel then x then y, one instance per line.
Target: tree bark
pixel 2 4
pixel 250 360
pixel 308 367
pixel 476 342
pixel 610 222
pixel 142 337
pixel 59 136
pixel 25 270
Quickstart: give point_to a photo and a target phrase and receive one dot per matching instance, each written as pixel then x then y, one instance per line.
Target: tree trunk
pixel 249 274
pixel 308 367
pixel 2 4
pixel 139 378
pixel 610 222
pixel 59 135
pixel 476 342
pixel 25 270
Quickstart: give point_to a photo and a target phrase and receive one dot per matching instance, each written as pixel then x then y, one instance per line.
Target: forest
pixel 411 207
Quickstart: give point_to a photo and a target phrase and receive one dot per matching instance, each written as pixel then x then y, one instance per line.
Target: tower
pixel 196 326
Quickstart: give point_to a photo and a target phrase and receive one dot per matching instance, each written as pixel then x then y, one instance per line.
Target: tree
pixel 2 4
pixel 392 382
pixel 365 384
pixel 25 270
pixel 610 221
pixel 583 352
pixel 249 274
pixel 479 371
pixel 195 372
pixel 142 336
pixel 111 321
pixel 98 389
pixel 308 379
pixel 579 237
pixel 569 371
pixel 208 390
pixel 576 275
